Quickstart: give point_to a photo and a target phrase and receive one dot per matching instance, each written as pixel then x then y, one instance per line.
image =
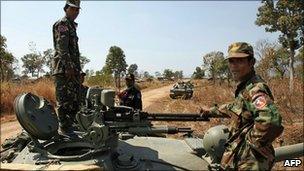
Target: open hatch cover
pixel 36 116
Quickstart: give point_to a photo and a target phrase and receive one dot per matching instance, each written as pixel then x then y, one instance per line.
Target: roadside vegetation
pixel 45 88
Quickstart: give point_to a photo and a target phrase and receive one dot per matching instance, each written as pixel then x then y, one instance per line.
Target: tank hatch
pixel 36 116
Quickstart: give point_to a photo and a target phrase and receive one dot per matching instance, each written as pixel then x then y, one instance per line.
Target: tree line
pixel 114 69
pixel 33 62
pixel 276 59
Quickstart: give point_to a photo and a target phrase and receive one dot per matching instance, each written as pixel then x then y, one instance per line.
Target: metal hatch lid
pixel 36 116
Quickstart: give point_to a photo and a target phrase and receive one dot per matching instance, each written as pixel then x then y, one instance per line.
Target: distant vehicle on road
pixel 182 90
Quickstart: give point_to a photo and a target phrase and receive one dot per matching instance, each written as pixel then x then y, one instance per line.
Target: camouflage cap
pixel 240 50
pixel 73 3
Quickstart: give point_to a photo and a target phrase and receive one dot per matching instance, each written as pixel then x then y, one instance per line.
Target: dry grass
pixel 9 91
pixel 205 94
pixel 148 85
pixel 290 104
pixel 45 88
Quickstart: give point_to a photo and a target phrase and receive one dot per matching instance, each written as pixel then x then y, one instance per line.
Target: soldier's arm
pixel 221 111
pixel 62 45
pixel 267 120
pixel 122 97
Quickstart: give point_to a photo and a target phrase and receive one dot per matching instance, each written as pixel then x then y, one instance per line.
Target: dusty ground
pixel 9 129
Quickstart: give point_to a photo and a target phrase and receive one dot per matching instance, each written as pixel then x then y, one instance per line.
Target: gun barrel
pixel 150 130
pixel 177 117
pixel 289 152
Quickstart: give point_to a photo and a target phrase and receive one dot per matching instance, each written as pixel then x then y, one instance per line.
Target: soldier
pixel 131 96
pixel 256 120
pixel 66 67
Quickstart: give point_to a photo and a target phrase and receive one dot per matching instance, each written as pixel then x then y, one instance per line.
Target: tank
pixel 182 90
pixel 113 137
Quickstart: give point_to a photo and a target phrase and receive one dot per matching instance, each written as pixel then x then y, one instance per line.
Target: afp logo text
pixel 292 163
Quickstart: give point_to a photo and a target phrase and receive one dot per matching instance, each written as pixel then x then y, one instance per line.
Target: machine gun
pixel 100 119
pixel 122 118
pixel 102 124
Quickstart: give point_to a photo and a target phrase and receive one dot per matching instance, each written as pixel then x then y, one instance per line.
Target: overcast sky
pixel 155 35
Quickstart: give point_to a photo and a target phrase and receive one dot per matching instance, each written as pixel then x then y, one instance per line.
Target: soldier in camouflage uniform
pixel 66 66
pixel 131 96
pixel 256 120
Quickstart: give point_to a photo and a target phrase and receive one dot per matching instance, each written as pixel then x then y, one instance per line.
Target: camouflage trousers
pixel 67 96
pixel 246 157
pixel 83 93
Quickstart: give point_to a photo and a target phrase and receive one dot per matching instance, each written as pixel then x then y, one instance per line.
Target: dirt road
pixel 9 129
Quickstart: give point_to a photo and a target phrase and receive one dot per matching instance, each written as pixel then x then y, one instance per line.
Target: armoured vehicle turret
pixel 182 90
pixel 116 138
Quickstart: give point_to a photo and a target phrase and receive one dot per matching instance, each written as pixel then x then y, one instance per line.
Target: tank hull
pixel 138 153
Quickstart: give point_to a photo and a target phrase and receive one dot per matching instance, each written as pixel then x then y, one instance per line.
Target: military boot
pixel 69 132
pixel 66 129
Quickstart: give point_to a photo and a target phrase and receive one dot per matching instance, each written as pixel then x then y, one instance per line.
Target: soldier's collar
pixel 76 24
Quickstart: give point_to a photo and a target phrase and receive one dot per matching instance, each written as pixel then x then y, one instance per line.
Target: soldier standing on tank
pixel 131 96
pixel 66 66
pixel 256 120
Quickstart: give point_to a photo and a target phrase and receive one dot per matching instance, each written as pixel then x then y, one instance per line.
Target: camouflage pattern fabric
pixel 66 58
pixel 256 124
pixel 67 95
pixel 66 47
pixel 83 93
pixel 240 50
pixel 131 97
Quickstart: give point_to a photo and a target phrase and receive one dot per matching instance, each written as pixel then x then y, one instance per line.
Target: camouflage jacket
pixel 83 93
pixel 256 120
pixel 131 97
pixel 66 47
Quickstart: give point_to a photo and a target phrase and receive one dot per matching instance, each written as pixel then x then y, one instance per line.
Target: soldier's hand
pixel 204 111
pixel 70 73
pixel 225 115
pixel 118 94
pixel 121 94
